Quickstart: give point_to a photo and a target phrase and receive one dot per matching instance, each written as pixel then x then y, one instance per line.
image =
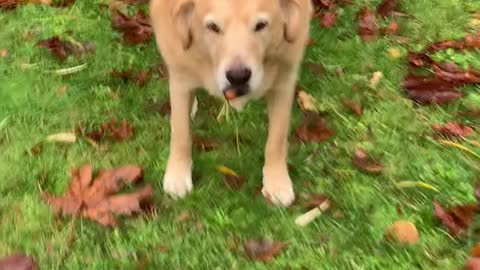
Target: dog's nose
pixel 239 75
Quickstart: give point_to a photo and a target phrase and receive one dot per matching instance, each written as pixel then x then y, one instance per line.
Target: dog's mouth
pixel 234 91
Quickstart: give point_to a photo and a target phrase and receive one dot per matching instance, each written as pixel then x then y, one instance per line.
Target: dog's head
pixel 239 35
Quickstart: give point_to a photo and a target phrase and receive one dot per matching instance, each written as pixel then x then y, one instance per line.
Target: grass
pixel 352 238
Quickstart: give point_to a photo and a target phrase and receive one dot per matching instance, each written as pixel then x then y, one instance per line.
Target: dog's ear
pixel 182 19
pixel 292 12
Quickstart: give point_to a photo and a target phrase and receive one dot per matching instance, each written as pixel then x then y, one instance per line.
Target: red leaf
pixel 314 129
pixel 111 130
pixel 456 219
pixel 55 46
pixel 367 25
pixel 9 4
pixel 419 59
pixel 263 250
pixel 387 7
pixel 363 161
pixel 451 72
pixel 428 90
pixel 329 19
pixel 453 130
pixel 135 30
pixel 18 262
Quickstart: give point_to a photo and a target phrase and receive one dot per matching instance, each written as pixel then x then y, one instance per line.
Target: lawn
pixel 35 103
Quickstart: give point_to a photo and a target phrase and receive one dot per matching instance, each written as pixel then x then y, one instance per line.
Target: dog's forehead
pixel 237 9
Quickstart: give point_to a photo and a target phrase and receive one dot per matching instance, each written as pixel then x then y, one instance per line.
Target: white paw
pixel 277 188
pixel 177 181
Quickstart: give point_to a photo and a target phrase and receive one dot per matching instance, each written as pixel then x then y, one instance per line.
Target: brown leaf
pixel 457 219
pixel 427 90
pixel 329 19
pixel 314 129
pixel 402 232
pixel 391 29
pixel 452 130
pixel 204 144
pixel 135 30
pixel 95 200
pixel 451 72
pixel 315 199
pixel 9 4
pixel 367 25
pixel 110 131
pixel 353 106
pixel 62 49
pixel 3 52
pixel 232 180
pixel 419 59
pixel 473 264
pixel 262 249
pixel 141 78
pixel 17 262
pixel 363 161
pixel 476 250
pixel 386 7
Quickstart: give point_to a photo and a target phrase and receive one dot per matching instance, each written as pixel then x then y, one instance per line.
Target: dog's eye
pixel 214 28
pixel 260 26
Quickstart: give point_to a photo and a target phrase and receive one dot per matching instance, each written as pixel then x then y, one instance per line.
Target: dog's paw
pixel 277 188
pixel 177 181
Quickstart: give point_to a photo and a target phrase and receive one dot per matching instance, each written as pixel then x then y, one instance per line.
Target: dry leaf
pixel 315 199
pixel 111 131
pixel 430 90
pixel 3 52
pixel 18 262
pixel 363 161
pixel 262 249
pixel 386 7
pixel 457 219
pixel 402 232
pixel 232 180
pixel 476 250
pixel 94 199
pixel 353 106
pixel 367 25
pixel 306 101
pixel 62 49
pixel 204 144
pixel 314 129
pixel 141 78
pixel 135 30
pixel 452 130
pixel 64 137
pixel 329 19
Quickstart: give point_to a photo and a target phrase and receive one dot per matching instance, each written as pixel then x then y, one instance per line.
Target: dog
pixel 240 50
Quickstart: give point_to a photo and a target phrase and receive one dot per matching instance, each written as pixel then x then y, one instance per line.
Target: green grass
pixel 391 126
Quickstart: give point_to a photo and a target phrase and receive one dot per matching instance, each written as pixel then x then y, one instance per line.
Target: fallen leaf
pixel 329 19
pixel 204 144
pixel 476 250
pixel 402 232
pixel 363 161
pixel 367 25
pixel 353 106
pixel 110 131
pixel 18 262
pixel 306 101
pixel 232 180
pixel 9 4
pixel 94 199
pixel 135 30
pixel 473 264
pixel 452 130
pixel 314 129
pixel 451 72
pixel 391 29
pixel 394 53
pixel 3 52
pixel 315 199
pixel 430 90
pixel 64 137
pixel 62 49
pixel 262 249
pixel 141 78
pixel 386 7
pixel 457 219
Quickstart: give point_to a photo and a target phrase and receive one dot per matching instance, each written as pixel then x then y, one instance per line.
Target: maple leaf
pixel 353 106
pixel 62 49
pixel 135 30
pixel 94 199
pixel 457 219
pixel 363 161
pixel 427 90
pixel 314 129
pixel 9 4
pixel 451 72
pixel 18 262
pixel 262 249
pixel 386 7
pixel 141 78
pixel 367 25
pixel 452 130
pixel 110 130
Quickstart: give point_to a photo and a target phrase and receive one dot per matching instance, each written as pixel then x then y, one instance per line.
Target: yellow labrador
pixel 239 50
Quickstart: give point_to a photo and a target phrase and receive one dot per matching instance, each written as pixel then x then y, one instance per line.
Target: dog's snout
pixel 239 75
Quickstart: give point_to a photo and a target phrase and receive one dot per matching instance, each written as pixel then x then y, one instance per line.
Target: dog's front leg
pixel 277 186
pixel 177 181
